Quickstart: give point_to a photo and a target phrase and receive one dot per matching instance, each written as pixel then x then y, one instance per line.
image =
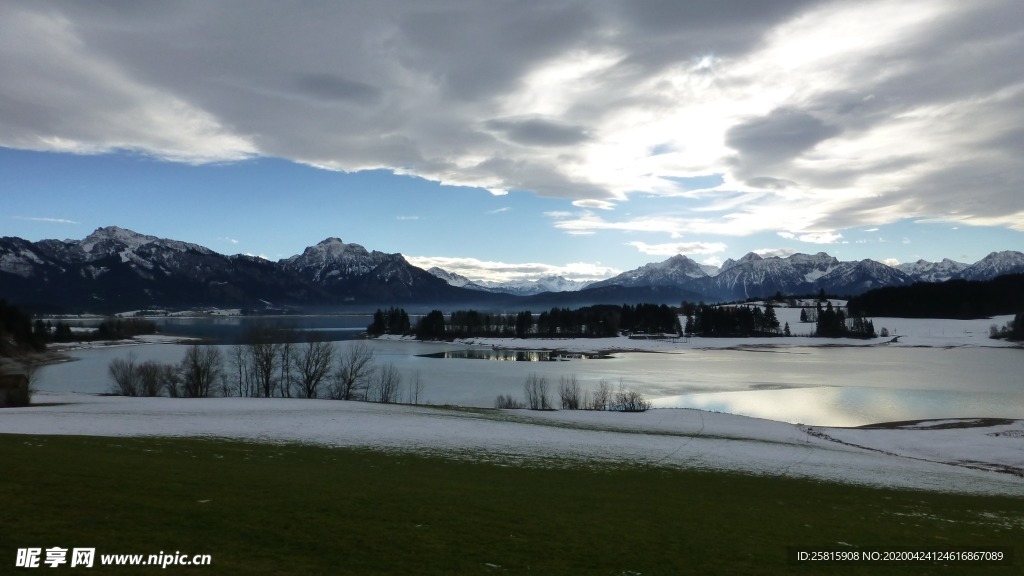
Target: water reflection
pixel 501 355
pixel 852 405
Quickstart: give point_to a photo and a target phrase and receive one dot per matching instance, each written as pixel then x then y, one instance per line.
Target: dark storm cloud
pixel 538 132
pixel 888 109
pixel 766 142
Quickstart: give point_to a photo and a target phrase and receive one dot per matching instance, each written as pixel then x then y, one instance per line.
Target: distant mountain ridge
pixel 115 269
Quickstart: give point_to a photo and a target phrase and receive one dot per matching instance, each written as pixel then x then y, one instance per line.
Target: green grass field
pixel 296 509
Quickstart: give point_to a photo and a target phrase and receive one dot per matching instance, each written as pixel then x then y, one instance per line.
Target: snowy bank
pixel 978 459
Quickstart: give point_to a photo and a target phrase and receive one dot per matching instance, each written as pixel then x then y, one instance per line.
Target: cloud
pixel 538 131
pixel 774 252
pixel 686 248
pixel 818 116
pixel 47 220
pixel 406 218
pixel 821 237
pixel 490 271
pixel 588 222
pixel 599 204
pixel 227 239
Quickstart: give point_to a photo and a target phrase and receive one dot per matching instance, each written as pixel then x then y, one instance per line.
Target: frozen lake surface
pixel 940 369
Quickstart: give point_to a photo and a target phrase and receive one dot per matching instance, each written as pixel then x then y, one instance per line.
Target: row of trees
pixel 834 323
pixel 732 321
pixel 572 396
pixel 586 322
pixel 266 366
pixel 390 321
pixel 109 329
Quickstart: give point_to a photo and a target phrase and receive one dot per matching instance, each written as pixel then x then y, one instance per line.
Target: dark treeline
pixel 834 323
pixel 731 321
pixel 109 329
pixel 587 322
pixel 957 299
pixel 16 334
pixel 390 321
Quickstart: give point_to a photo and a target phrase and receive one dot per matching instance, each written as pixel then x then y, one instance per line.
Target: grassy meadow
pixel 300 509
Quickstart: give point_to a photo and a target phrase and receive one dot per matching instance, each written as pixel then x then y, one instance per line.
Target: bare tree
pixel 630 400
pixel 171 378
pixel 239 358
pixel 536 391
pixel 30 365
pixel 602 396
pixel 416 388
pixel 354 368
pixel 125 376
pixel 263 362
pixel 285 351
pixel 387 383
pixel 507 402
pixel 200 370
pixel 570 393
pixel 150 381
pixel 312 365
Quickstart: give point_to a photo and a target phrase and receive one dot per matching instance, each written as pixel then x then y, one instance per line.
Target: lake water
pixel 837 386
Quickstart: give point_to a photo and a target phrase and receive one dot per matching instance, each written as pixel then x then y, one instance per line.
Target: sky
pixel 507 140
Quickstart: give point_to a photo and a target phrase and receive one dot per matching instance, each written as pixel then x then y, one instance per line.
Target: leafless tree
pixel 30 365
pixel 354 368
pixel 570 393
pixel 286 351
pixel 263 363
pixel 239 359
pixel 150 374
pixel 171 378
pixel 536 391
pixel 602 396
pixel 200 370
pixel 387 384
pixel 415 388
pixel 507 402
pixel 630 400
pixel 312 365
pixel 125 376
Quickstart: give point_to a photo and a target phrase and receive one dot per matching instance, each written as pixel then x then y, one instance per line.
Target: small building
pixel 13 390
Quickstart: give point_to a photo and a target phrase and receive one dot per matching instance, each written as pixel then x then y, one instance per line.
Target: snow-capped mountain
pixel 995 264
pixel 859 277
pixel 518 287
pixel 456 280
pixel 117 269
pixel 539 286
pixel 754 275
pixel 333 260
pixel 924 271
pixel 675 271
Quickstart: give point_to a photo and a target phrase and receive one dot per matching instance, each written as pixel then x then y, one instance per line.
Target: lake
pixel 836 386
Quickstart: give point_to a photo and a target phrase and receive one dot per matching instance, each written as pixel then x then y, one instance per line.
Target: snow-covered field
pixel 980 459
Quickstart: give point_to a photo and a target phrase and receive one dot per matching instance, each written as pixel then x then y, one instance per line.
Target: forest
pixel 953 299
pixel 587 322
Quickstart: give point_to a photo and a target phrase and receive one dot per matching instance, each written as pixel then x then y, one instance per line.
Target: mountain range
pixel 114 269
